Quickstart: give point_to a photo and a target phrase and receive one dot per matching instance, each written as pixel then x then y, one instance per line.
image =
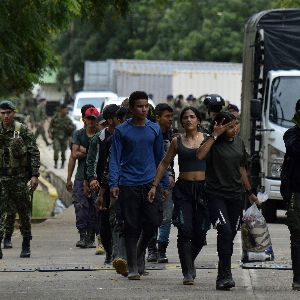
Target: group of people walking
pixel 125 192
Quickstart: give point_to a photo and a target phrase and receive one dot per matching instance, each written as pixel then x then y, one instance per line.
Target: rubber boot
pixel 141 252
pixel 224 279
pixel 120 262
pixel 1 254
pixel 152 250
pixel 90 239
pixel 25 248
pixel 161 252
pixel 99 248
pixel 186 261
pixel 131 251
pixel 82 242
pixel 295 253
pixel 55 164
pixel 7 244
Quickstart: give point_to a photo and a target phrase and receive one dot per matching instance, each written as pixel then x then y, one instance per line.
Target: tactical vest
pixel 13 153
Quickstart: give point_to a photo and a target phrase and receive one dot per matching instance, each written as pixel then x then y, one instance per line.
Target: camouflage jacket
pixel 61 127
pixel 18 151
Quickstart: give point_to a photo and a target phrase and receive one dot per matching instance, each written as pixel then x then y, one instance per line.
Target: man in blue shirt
pixel 137 150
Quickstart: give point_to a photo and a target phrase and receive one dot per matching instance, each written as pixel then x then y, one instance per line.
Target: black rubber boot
pixel 1 254
pixel 90 239
pixel 224 279
pixel 55 164
pixel 186 261
pixel 141 252
pixel 83 238
pixel 295 253
pixel 152 250
pixel 7 244
pixel 161 252
pixel 25 248
pixel 131 251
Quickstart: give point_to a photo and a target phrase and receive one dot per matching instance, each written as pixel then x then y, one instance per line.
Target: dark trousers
pixel 84 208
pixel 138 213
pixel 225 214
pixel 293 219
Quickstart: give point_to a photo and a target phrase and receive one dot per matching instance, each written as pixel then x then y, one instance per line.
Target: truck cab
pixel 270 89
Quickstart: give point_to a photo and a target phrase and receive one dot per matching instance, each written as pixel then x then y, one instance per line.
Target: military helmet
pixel 214 100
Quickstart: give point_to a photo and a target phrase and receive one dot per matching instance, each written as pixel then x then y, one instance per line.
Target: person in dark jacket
pixel 292 160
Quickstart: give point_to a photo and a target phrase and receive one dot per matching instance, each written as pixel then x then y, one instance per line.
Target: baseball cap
pixel 91 112
pixel 7 104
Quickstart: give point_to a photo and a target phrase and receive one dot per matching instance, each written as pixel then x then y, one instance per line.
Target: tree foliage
pixel 26 30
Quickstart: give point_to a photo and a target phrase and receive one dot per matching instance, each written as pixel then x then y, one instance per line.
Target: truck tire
pixel 269 209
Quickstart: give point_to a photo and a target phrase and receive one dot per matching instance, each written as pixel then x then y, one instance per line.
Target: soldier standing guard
pixel 60 130
pixel 19 161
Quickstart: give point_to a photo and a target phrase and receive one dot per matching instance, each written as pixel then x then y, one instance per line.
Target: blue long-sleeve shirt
pixel 135 154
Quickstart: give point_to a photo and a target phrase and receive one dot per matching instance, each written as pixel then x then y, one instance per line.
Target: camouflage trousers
pixel 15 197
pixel 60 145
pixel 10 224
pixel 41 131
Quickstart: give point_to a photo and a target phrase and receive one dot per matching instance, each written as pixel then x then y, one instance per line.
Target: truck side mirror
pixel 256 108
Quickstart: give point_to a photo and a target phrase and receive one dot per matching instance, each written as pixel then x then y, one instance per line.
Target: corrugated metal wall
pixel 227 84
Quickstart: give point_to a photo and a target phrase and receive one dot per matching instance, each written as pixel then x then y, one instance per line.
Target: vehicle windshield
pixel 284 95
pixel 97 102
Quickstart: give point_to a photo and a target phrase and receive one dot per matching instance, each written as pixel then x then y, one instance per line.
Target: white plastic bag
pixel 256 240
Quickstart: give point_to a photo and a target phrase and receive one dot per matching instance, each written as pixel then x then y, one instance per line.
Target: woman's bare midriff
pixel 192 176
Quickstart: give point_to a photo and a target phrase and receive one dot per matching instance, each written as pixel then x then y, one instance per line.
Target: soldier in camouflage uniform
pixel 60 131
pixel 19 162
pixel 40 117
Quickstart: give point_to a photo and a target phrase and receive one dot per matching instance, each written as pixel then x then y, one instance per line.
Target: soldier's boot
pixel 82 241
pixel 224 279
pixel 7 244
pixel 99 248
pixel 25 248
pixel 62 164
pixel 1 254
pixel 90 239
pixel 295 253
pixel 186 261
pixel 131 252
pixel 152 250
pixel 161 252
pixel 120 263
pixel 55 164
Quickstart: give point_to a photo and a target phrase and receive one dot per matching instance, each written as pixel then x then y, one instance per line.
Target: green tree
pixel 26 30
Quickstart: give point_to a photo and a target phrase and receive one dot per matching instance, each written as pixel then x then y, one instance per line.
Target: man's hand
pixel 115 192
pixel 82 149
pixel 171 181
pixel 86 189
pixel 34 182
pixel 69 185
pixel 151 194
pixel 94 185
pixel 253 199
pixel 99 204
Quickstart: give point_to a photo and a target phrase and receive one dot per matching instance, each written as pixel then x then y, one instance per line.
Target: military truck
pixel 270 89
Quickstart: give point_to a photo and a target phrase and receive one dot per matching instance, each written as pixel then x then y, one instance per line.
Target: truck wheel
pixel 269 210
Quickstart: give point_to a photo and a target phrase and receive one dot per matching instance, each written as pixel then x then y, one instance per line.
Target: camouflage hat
pixel 7 104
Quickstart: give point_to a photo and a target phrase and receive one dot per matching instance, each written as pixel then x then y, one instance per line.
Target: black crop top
pixel 187 159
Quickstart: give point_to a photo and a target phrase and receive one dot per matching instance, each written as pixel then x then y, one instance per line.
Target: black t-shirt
pixel 223 176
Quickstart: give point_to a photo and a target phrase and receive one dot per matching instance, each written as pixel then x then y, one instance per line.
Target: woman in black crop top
pixel 190 210
pixel 226 159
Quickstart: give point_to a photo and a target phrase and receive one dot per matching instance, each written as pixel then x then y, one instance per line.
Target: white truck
pixel 270 89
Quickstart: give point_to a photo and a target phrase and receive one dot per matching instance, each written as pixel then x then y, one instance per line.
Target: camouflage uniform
pixel 19 161
pixel 60 129
pixel 30 104
pixel 40 117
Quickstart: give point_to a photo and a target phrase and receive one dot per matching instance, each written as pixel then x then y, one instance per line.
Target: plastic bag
pixel 256 240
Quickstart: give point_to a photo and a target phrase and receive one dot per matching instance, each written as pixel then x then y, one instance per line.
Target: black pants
pixel 225 214
pixel 293 219
pixel 190 214
pixel 138 213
